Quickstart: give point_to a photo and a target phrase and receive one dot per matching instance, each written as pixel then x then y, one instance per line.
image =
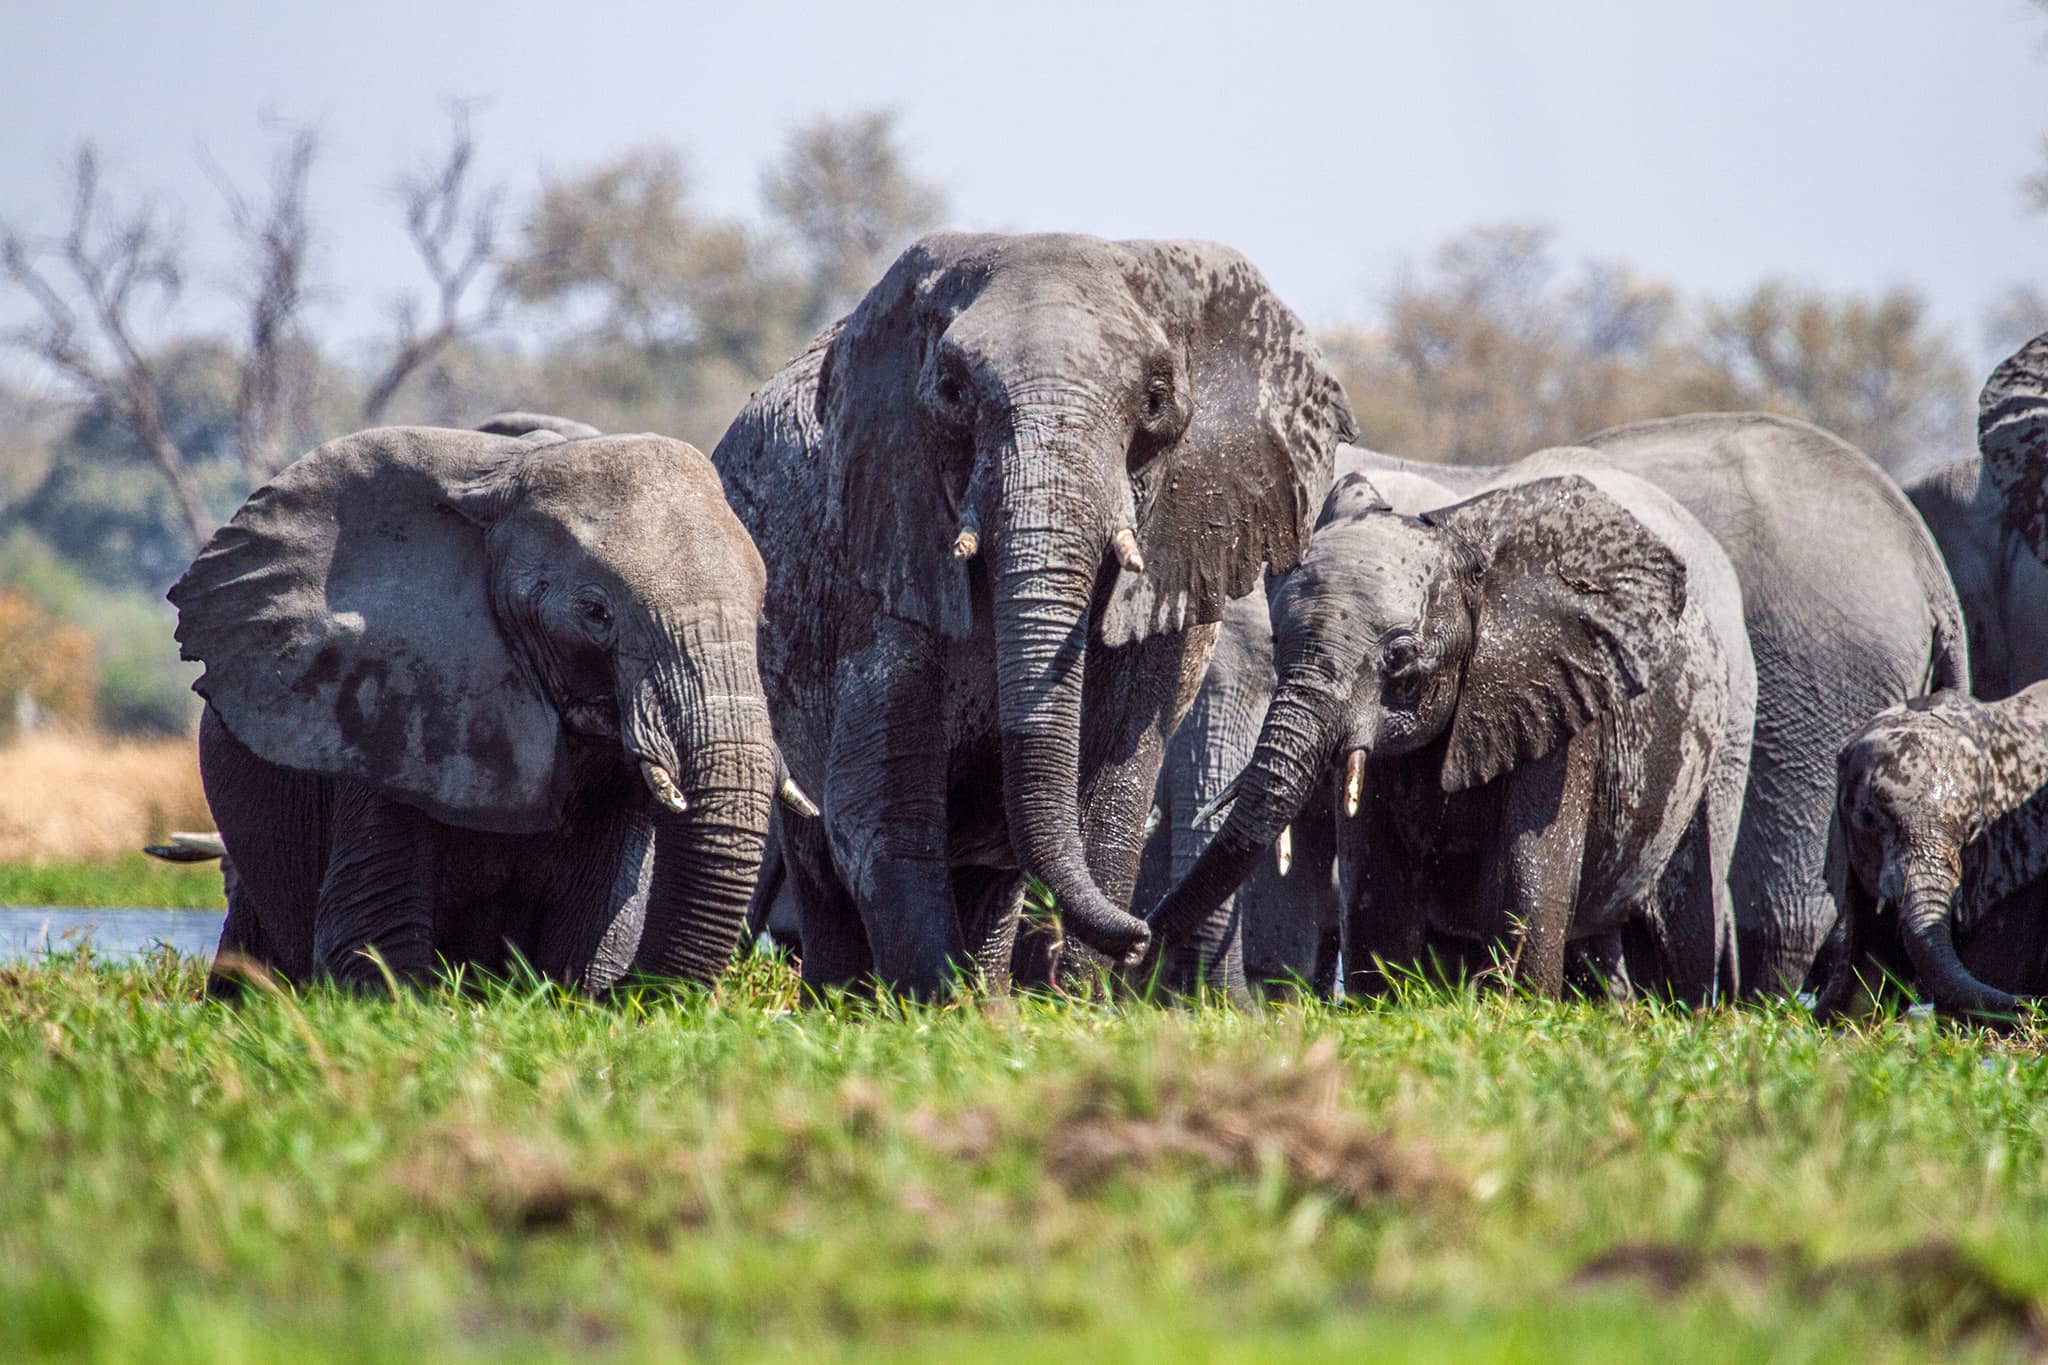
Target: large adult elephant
pixel 1849 609
pixel 469 694
pixel 1989 514
pixel 1281 926
pixel 1002 505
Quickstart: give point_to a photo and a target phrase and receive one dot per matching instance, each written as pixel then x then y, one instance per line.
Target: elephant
pixel 1281 927
pixel 1942 814
pixel 1987 512
pixel 470 695
pixel 1794 506
pixel 1543 699
pixel 525 423
pixel 1003 504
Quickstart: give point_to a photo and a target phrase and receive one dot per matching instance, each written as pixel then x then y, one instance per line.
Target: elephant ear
pixel 896 506
pixel 1242 486
pixel 1578 610
pixel 2012 433
pixel 344 618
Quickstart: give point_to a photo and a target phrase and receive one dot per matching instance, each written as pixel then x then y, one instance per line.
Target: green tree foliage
pixel 1497 350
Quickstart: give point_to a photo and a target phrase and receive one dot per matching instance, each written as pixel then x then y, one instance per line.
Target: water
pixel 27 931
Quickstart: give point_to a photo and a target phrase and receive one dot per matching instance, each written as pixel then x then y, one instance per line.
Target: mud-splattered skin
pixel 964 657
pixel 1792 505
pixel 457 684
pixel 1550 693
pixel 1279 927
pixel 1943 816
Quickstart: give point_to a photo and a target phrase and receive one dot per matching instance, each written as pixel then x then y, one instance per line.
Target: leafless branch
pixel 105 269
pixel 454 228
pixel 276 237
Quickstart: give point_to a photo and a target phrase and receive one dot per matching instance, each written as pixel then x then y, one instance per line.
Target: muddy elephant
pixel 471 695
pixel 1280 929
pixel 1003 504
pixel 1541 701
pixel 1793 506
pixel 1943 818
pixel 1988 514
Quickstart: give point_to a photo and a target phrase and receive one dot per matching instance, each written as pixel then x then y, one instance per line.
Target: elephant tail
pixel 188 848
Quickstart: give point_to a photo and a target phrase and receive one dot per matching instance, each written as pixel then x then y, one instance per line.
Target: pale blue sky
pixel 1853 145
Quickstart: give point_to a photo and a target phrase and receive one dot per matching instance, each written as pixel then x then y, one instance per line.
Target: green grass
pixel 132 879
pixel 512 1173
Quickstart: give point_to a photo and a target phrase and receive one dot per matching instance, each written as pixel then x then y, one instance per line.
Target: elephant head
pixel 1913 789
pixel 476 626
pixel 2012 433
pixel 1119 435
pixel 1493 629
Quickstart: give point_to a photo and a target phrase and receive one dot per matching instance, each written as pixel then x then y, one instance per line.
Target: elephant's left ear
pixel 1241 487
pixel 345 619
pixel 2012 433
pixel 1579 608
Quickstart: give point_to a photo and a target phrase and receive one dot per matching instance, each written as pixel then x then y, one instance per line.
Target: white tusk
pixel 1125 543
pixel 1283 851
pixel 663 786
pixel 793 796
pixel 1206 812
pixel 967 544
pixel 1152 819
pixel 1354 781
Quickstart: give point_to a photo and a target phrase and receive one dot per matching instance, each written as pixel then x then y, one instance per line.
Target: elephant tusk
pixel 1283 850
pixel 1152 819
pixel 1354 781
pixel 1125 543
pixel 967 544
pixel 663 786
pixel 1208 809
pixel 793 796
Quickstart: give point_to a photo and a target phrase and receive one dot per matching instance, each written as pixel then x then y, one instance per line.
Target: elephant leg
pixel 274 823
pixel 1133 697
pixel 1597 968
pixel 1542 852
pixel 885 810
pixel 593 902
pixel 1686 917
pixel 1778 879
pixel 768 885
pixel 832 944
pixel 1287 918
pixel 991 901
pixel 377 895
pixel 1383 931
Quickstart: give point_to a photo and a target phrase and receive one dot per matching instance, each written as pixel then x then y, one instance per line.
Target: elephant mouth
pixel 592 717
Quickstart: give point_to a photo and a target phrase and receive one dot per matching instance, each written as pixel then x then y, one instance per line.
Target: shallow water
pixel 29 931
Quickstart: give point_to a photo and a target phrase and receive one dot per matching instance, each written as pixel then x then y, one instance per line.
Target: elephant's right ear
pixel 2012 433
pixel 344 618
pixel 895 504
pixel 1578 608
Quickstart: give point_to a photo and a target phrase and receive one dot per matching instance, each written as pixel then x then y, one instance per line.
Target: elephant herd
pixel 1057 558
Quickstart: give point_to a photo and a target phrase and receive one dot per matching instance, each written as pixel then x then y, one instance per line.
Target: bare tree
pixel 88 283
pixel 276 239
pixel 454 227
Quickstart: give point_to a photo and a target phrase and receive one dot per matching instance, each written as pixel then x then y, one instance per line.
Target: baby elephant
pixel 1540 700
pixel 470 694
pixel 1942 813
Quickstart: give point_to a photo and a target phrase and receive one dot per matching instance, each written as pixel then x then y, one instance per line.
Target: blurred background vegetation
pixel 131 429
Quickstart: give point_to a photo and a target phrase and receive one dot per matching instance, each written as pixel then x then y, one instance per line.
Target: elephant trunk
pixel 1930 883
pixel 1049 547
pixel 1296 743
pixel 699 720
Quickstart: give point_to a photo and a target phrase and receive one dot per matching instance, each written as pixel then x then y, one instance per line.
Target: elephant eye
pixel 594 611
pixel 1158 397
pixel 1401 653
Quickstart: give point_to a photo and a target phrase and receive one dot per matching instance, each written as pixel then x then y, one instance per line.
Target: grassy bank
pixel 1470 1178
pixel 130 879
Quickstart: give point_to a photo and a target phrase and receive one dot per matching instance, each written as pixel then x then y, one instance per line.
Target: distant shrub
pixel 46 667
